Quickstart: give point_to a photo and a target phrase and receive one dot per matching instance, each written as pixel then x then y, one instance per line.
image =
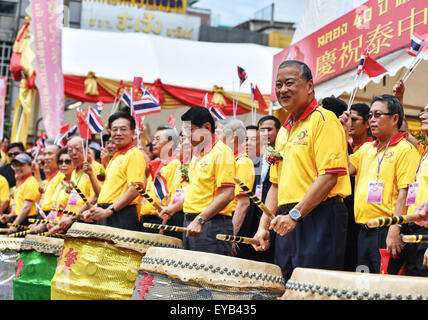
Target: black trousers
pixel 127 218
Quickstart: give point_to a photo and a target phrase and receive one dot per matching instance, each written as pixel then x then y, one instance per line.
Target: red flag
pixel 171 121
pixel 372 68
pixel 64 129
pixel 82 123
pixel 259 98
pixel 137 88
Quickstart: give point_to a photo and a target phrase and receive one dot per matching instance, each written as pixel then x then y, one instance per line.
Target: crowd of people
pixel 324 172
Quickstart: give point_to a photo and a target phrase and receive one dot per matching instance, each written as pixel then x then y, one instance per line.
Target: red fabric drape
pixel 74 87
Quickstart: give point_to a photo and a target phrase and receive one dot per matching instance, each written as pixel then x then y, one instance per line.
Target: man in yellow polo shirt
pixel 383 171
pixel 116 204
pixel 235 135
pixel 309 179
pixel 27 192
pixel 211 186
pixel 4 199
pixel 165 141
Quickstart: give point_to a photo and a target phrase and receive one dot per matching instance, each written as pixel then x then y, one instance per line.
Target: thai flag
pixel 361 65
pixel 242 75
pixel 126 98
pixel 99 107
pixel 146 105
pixel 216 113
pixel 161 189
pixel 95 122
pixel 171 121
pixel 416 45
pixel 41 143
pixel 62 141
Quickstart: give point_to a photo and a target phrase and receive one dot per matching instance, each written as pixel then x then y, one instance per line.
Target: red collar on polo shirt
pixel 239 151
pixel 369 139
pixel 20 181
pixel 309 109
pixel 124 149
pixel 208 147
pixel 394 140
pixel 53 174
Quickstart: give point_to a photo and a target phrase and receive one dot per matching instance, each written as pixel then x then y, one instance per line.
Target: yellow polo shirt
pixel 315 145
pixel 82 181
pixel 126 166
pixel 168 172
pixel 50 186
pixel 4 189
pixel 397 170
pixel 422 178
pixel 208 172
pixel 245 172
pixel 27 189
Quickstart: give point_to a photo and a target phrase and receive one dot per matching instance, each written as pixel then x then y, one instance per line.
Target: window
pixel 8 8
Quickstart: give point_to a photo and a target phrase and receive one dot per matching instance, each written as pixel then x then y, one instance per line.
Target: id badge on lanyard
pixel 375 188
pixel 374 195
pixel 74 197
pixel 412 193
pixel 259 191
pixel 178 196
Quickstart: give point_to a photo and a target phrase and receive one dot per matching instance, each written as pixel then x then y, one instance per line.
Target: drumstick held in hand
pixel 415 238
pixel 225 237
pixel 255 199
pixel 145 195
pixel 42 221
pixel 386 222
pixel 17 226
pixel 164 227
pixel 81 195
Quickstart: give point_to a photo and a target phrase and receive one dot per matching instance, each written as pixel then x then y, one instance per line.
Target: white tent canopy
pixel 184 63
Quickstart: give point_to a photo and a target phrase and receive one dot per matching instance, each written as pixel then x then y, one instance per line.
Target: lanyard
pixel 419 165
pixel 380 162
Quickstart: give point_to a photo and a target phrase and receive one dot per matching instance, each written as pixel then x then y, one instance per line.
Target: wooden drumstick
pixel 20 234
pixel 255 199
pixel 415 238
pixel 225 237
pixel 17 226
pixel 4 230
pixel 81 195
pixel 164 227
pixel 145 195
pixel 386 222
pixel 42 221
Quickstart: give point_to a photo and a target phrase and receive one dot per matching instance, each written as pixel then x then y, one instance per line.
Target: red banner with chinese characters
pixel 378 26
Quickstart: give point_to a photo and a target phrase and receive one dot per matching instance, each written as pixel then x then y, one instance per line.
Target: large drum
pixel 316 284
pixel 9 251
pixel 101 263
pixel 35 267
pixel 177 274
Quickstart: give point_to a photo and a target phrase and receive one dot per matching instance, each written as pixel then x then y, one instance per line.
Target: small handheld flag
pixel 242 75
pixel 161 189
pixel 95 122
pixel 416 45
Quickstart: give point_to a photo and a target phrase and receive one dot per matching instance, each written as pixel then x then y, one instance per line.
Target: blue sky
pixel 233 12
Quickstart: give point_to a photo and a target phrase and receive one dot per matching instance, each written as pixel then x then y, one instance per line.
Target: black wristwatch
pixel 295 215
pixel 110 207
pixel 200 220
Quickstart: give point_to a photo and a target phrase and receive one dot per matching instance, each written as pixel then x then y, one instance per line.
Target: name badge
pixel 178 196
pixel 412 193
pixel 74 197
pixel 375 192
pixel 259 191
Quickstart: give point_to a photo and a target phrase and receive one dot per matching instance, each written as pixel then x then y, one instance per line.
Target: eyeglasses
pixel 13 154
pixel 377 115
pixel 423 113
pixel 67 162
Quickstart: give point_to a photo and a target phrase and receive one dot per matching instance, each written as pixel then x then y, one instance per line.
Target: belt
pixel 106 205
pixel 192 216
pixel 285 208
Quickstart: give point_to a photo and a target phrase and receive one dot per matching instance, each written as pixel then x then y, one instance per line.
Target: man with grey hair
pixel 235 135
pixel 162 168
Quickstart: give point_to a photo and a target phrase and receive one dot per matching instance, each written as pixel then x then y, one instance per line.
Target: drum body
pixel 9 251
pixel 35 267
pixel 316 284
pixel 177 274
pixel 100 263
